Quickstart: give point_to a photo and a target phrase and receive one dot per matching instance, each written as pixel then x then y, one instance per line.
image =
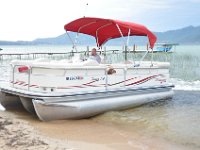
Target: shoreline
pixel 20 130
pixel 19 134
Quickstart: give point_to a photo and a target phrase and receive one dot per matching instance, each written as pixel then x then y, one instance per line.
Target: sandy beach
pixel 18 134
pixel 20 130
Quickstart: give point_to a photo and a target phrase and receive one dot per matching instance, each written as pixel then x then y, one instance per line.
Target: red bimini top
pixel 105 29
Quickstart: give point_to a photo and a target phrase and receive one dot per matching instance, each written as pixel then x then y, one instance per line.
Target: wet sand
pixel 18 134
pixel 20 130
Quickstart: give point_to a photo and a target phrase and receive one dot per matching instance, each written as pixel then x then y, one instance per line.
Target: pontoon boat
pixel 81 89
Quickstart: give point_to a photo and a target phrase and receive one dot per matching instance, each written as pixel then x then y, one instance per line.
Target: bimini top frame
pixel 105 29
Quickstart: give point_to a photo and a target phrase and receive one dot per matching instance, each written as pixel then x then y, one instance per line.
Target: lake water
pixel 175 120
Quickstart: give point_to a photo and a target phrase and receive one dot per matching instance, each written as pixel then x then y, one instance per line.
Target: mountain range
pixel 187 35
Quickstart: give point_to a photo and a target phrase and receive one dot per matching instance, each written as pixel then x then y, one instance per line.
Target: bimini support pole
pixel 125 43
pixel 152 57
pixel 76 41
pixel 74 45
pixel 129 32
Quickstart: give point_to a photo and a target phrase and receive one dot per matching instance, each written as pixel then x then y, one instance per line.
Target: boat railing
pixel 30 68
pixel 13 75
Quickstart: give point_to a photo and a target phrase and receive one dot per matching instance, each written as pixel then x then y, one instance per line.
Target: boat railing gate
pixel 13 75
pixel 30 70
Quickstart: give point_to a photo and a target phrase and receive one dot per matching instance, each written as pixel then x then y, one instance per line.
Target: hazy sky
pixel 31 19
